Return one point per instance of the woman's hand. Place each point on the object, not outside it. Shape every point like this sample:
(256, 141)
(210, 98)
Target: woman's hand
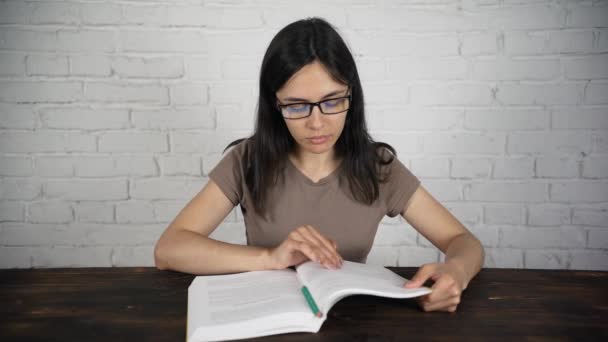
(450, 280)
(302, 244)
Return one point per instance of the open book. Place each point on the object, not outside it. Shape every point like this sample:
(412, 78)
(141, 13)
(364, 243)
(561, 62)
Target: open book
(261, 303)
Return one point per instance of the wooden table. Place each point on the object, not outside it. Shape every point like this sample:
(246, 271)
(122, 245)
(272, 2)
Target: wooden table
(144, 304)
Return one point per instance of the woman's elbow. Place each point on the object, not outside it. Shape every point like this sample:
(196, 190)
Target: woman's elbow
(160, 257)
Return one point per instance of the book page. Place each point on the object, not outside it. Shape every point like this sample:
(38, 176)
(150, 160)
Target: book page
(222, 300)
(328, 286)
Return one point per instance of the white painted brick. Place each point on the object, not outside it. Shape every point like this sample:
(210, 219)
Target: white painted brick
(100, 13)
(135, 212)
(26, 39)
(382, 256)
(547, 42)
(11, 64)
(144, 14)
(155, 67)
(475, 44)
(11, 211)
(589, 260)
(599, 140)
(548, 215)
(133, 256)
(503, 69)
(431, 167)
(85, 118)
(556, 167)
(133, 142)
(19, 188)
(591, 216)
(588, 16)
(94, 212)
(579, 192)
(576, 117)
(85, 40)
(204, 142)
(603, 40)
(165, 188)
(45, 141)
(230, 232)
(163, 41)
(391, 235)
(540, 16)
(63, 256)
(471, 168)
(413, 20)
(504, 214)
(15, 12)
(596, 93)
(16, 166)
(55, 13)
(586, 68)
(545, 94)
(210, 161)
(464, 142)
(124, 92)
(549, 142)
(386, 93)
(79, 234)
(370, 69)
(49, 211)
(443, 190)
(166, 211)
(547, 259)
(112, 166)
(180, 165)
(235, 18)
(506, 192)
(46, 65)
(598, 238)
(382, 43)
(202, 68)
(506, 119)
(247, 42)
(86, 190)
(40, 91)
(189, 93)
(451, 94)
(542, 237)
(513, 168)
(233, 92)
(15, 257)
(17, 116)
(410, 256)
(503, 258)
(235, 117)
(428, 68)
(90, 65)
(183, 118)
(410, 118)
(276, 17)
(241, 68)
(54, 166)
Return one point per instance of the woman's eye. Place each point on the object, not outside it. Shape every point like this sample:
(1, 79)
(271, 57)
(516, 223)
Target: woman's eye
(298, 108)
(332, 103)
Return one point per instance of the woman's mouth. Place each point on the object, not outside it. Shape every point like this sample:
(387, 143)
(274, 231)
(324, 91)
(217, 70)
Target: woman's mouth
(318, 139)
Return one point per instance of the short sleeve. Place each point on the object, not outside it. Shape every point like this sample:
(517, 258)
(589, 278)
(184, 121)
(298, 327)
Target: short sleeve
(399, 188)
(228, 173)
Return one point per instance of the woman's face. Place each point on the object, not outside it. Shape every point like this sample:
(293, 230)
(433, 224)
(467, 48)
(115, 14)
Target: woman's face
(312, 84)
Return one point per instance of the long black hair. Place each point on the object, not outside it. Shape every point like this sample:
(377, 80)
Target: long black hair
(296, 45)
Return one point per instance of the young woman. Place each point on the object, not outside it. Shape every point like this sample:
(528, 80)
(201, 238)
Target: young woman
(311, 182)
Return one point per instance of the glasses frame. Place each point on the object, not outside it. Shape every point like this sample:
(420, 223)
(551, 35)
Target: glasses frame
(315, 104)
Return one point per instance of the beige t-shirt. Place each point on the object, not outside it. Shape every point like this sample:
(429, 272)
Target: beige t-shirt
(326, 205)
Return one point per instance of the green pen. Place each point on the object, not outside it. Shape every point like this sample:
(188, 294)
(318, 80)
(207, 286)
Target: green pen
(311, 302)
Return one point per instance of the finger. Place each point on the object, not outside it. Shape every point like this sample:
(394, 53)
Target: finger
(442, 305)
(308, 250)
(328, 243)
(328, 258)
(424, 272)
(445, 287)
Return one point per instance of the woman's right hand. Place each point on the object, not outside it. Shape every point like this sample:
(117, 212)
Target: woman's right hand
(306, 243)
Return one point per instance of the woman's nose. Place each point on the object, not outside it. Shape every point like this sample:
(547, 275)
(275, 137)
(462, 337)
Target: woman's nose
(316, 117)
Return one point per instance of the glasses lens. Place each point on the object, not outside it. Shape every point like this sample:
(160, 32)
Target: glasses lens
(298, 110)
(334, 105)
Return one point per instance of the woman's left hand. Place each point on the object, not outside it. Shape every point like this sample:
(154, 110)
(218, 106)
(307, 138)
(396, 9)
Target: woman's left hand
(450, 280)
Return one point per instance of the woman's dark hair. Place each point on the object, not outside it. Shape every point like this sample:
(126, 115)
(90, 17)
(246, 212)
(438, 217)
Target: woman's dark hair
(296, 45)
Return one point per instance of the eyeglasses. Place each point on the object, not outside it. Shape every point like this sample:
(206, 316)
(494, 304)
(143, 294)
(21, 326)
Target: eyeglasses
(301, 110)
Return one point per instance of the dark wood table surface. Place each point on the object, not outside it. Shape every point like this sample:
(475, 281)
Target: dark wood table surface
(145, 304)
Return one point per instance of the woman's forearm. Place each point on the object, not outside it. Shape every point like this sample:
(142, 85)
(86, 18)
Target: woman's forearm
(466, 252)
(189, 252)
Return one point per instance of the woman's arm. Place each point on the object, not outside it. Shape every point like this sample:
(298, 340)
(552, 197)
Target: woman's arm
(185, 246)
(441, 228)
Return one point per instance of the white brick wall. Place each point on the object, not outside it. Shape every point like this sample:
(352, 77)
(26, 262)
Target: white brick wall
(112, 113)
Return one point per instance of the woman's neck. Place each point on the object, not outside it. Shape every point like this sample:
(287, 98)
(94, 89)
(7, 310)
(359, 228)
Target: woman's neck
(315, 163)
